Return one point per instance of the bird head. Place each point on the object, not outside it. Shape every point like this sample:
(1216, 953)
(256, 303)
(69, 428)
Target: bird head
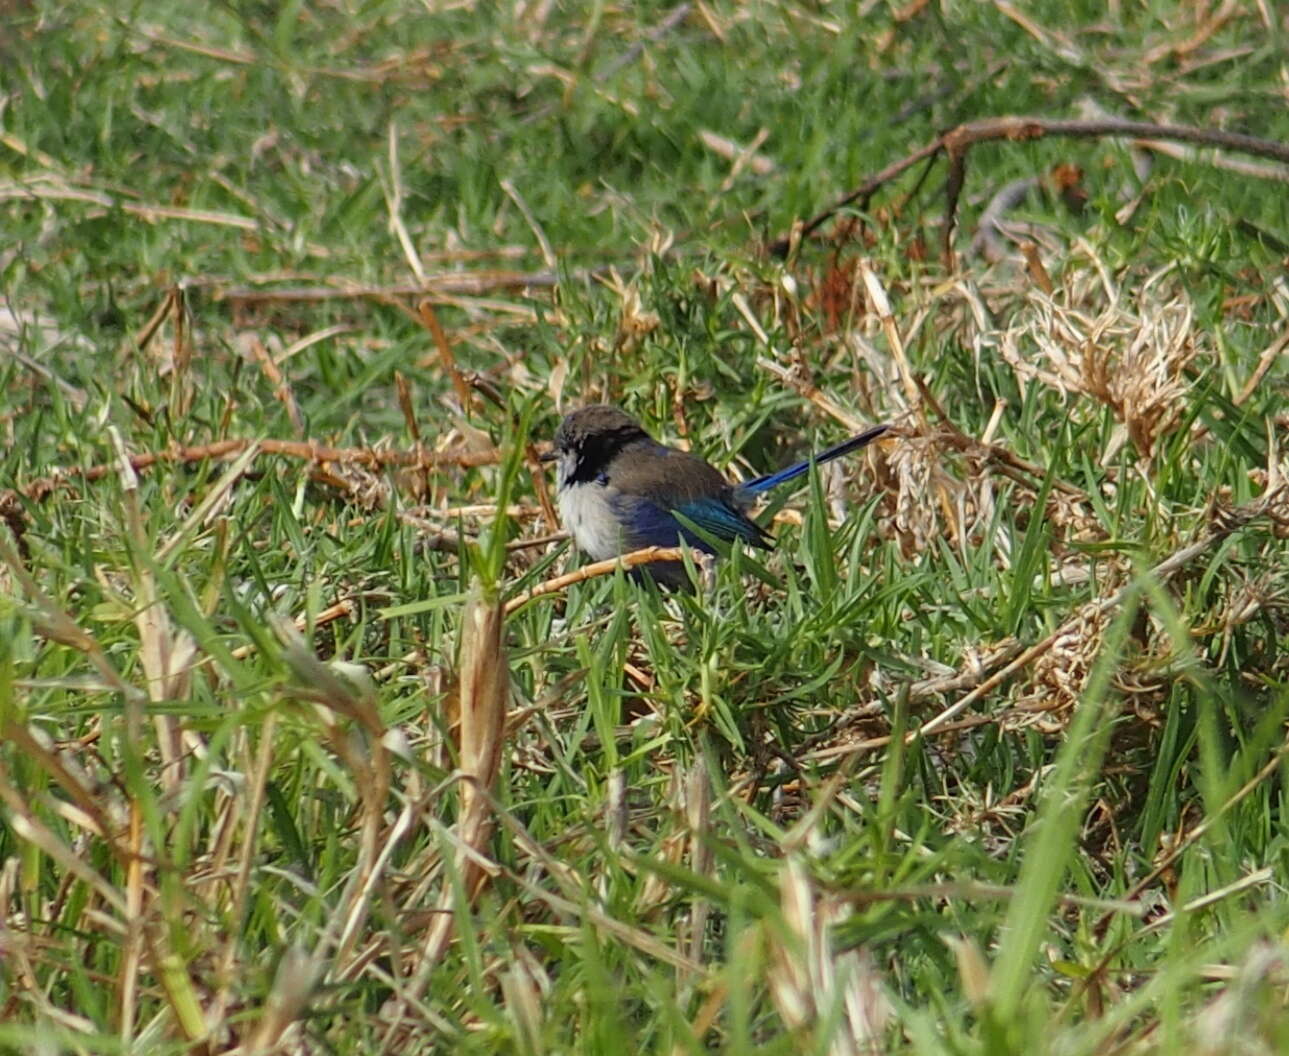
(589, 438)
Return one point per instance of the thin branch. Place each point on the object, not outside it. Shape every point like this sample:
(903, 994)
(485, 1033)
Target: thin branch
(646, 556)
(958, 141)
(301, 449)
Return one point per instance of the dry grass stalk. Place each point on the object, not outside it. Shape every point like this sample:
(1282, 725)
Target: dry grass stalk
(346, 691)
(1165, 862)
(814, 394)
(166, 654)
(155, 641)
(1270, 355)
(484, 692)
(430, 320)
(253, 348)
(576, 905)
(548, 253)
(742, 156)
(441, 286)
(635, 322)
(1240, 1010)
(520, 985)
(53, 622)
(484, 688)
(657, 889)
(143, 921)
(918, 469)
(340, 610)
(252, 804)
(881, 306)
(182, 387)
(698, 809)
(808, 979)
(972, 968)
(292, 987)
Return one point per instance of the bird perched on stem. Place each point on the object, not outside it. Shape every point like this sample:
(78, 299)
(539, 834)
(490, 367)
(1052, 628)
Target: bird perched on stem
(620, 490)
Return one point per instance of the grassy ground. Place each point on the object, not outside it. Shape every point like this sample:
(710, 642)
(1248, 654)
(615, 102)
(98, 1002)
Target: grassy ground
(987, 757)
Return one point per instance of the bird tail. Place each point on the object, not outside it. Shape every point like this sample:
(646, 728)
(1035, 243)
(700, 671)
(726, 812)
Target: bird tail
(773, 480)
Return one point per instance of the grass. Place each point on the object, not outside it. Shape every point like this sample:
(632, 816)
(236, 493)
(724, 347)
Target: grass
(986, 757)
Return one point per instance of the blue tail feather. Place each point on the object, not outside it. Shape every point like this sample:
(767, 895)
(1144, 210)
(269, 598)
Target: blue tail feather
(773, 480)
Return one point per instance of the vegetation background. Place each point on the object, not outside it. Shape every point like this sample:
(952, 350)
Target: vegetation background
(987, 757)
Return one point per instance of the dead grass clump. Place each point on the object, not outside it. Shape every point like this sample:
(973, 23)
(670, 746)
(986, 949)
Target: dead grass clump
(1061, 674)
(1084, 340)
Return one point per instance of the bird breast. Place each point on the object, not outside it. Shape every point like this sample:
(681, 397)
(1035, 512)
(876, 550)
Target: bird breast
(587, 512)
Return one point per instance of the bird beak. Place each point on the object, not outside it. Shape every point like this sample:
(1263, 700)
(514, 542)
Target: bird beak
(549, 456)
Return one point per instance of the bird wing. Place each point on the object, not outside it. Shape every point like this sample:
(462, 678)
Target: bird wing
(677, 482)
(717, 517)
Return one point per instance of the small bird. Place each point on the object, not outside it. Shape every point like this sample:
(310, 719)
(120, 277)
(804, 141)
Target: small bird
(620, 490)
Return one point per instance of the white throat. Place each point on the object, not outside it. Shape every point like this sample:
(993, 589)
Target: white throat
(587, 514)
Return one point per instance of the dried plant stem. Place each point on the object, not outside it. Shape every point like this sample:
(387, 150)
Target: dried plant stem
(1170, 859)
(484, 688)
(240, 889)
(456, 283)
(1269, 355)
(430, 320)
(1180, 847)
(812, 393)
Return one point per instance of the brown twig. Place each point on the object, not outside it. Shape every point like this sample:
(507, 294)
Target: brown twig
(956, 142)
(302, 449)
(430, 320)
(281, 387)
(646, 556)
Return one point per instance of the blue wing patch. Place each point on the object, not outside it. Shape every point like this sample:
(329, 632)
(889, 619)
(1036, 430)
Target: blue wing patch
(651, 525)
(724, 521)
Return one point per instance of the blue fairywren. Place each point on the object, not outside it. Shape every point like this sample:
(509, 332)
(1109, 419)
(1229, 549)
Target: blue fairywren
(620, 490)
